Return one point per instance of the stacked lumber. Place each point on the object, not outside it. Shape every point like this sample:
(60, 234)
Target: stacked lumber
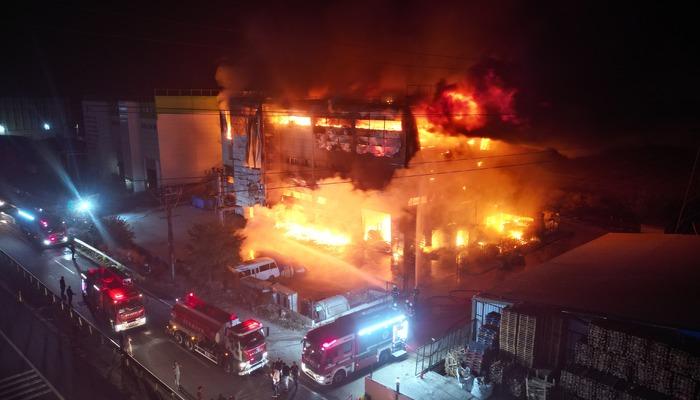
(525, 347)
(509, 328)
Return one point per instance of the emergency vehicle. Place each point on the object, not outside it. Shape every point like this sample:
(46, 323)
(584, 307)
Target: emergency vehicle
(218, 335)
(42, 227)
(111, 292)
(332, 352)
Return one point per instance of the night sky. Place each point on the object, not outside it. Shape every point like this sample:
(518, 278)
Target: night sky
(585, 72)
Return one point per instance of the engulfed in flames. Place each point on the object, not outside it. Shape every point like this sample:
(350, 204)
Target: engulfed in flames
(512, 226)
(293, 221)
(290, 120)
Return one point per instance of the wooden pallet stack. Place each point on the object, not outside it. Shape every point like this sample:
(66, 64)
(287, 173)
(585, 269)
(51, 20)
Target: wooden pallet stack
(525, 347)
(661, 381)
(583, 354)
(602, 361)
(508, 331)
(597, 336)
(637, 347)
(474, 356)
(617, 342)
(487, 335)
(683, 387)
(496, 371)
(644, 373)
(658, 354)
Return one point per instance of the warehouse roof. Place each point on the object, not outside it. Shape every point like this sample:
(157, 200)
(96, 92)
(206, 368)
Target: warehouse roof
(650, 278)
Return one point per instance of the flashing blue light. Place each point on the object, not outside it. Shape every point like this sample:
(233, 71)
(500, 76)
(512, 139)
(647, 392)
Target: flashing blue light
(381, 325)
(25, 215)
(84, 206)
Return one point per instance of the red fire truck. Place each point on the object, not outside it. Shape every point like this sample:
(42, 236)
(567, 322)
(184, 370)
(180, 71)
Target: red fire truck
(111, 292)
(218, 335)
(352, 342)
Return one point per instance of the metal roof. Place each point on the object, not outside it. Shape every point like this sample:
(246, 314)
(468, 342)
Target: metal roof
(648, 278)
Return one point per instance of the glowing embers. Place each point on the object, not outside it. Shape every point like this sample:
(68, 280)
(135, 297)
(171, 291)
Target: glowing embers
(290, 120)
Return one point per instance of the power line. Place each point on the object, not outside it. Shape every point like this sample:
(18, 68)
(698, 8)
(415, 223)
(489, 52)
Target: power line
(393, 178)
(286, 112)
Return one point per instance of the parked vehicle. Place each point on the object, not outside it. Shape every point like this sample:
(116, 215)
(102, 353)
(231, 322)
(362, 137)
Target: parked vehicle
(332, 352)
(262, 268)
(218, 335)
(43, 228)
(111, 292)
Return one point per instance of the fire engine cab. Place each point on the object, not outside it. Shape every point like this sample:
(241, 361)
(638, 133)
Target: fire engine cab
(218, 335)
(111, 292)
(331, 352)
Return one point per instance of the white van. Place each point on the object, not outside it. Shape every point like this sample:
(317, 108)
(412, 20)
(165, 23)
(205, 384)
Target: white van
(262, 268)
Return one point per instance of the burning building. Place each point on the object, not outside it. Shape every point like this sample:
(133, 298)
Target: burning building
(382, 185)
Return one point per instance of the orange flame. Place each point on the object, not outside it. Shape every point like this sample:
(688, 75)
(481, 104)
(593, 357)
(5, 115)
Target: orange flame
(290, 120)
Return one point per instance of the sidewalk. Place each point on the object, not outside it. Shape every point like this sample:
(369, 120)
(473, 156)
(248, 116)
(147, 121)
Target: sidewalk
(431, 386)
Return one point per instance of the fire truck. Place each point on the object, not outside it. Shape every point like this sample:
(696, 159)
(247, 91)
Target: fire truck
(44, 228)
(332, 352)
(218, 335)
(111, 292)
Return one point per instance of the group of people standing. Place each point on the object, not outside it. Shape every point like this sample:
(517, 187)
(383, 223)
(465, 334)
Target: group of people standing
(281, 374)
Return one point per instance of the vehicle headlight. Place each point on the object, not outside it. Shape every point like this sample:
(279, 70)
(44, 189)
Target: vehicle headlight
(242, 365)
(321, 379)
(46, 242)
(264, 355)
(65, 239)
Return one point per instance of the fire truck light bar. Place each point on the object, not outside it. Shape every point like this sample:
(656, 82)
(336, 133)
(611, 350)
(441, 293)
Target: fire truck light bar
(381, 325)
(25, 215)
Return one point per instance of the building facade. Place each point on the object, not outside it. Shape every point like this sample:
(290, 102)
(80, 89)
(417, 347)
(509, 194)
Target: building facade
(35, 118)
(173, 139)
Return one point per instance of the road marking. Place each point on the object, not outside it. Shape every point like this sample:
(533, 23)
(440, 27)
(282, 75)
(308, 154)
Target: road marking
(53, 389)
(64, 267)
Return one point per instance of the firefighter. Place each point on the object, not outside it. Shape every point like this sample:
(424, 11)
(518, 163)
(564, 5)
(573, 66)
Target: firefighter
(69, 293)
(176, 371)
(62, 284)
(295, 374)
(395, 295)
(71, 246)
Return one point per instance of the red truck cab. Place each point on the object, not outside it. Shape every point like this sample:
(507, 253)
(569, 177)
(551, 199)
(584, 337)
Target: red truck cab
(332, 352)
(218, 336)
(110, 292)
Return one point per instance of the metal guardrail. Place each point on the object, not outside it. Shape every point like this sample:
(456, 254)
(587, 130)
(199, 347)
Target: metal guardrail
(158, 386)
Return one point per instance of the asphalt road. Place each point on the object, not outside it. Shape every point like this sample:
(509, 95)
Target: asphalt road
(151, 346)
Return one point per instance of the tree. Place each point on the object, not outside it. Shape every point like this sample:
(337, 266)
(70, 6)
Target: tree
(212, 249)
(111, 231)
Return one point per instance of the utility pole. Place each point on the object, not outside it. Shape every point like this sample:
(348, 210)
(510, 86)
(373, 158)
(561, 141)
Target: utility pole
(169, 198)
(687, 191)
(219, 193)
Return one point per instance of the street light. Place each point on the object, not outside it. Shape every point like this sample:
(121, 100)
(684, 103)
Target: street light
(2, 129)
(47, 126)
(83, 206)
